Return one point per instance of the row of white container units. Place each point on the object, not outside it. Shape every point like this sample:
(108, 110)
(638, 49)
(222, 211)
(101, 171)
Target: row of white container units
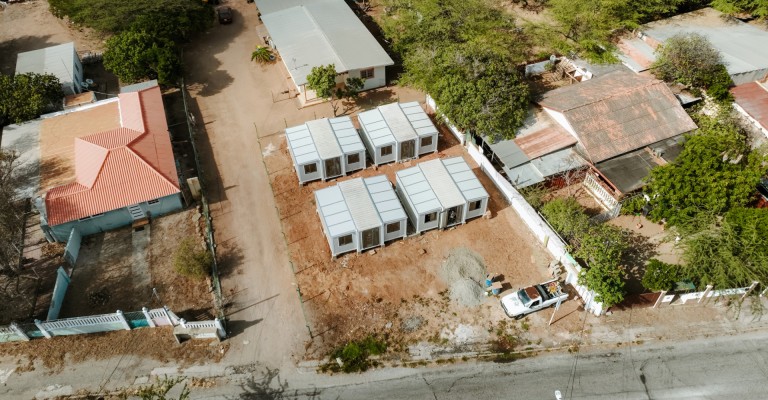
(364, 213)
(330, 148)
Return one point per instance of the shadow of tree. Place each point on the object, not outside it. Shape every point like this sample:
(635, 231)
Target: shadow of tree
(640, 249)
(269, 386)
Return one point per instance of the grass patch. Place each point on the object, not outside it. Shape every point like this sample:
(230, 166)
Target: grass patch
(355, 355)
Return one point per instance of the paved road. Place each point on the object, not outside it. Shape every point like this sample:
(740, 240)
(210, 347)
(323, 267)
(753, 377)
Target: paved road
(729, 367)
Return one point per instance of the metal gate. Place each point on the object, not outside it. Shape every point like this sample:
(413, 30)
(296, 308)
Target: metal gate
(371, 238)
(408, 149)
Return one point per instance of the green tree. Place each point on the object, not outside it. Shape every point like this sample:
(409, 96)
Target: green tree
(715, 172)
(732, 252)
(262, 55)
(136, 55)
(691, 59)
(659, 276)
(757, 8)
(11, 213)
(463, 53)
(566, 217)
(25, 96)
(189, 260)
(322, 80)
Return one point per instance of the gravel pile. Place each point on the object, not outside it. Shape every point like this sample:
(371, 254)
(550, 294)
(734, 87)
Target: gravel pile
(464, 272)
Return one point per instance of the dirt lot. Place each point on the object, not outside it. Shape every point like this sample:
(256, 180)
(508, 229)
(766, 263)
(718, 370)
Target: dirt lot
(399, 290)
(113, 272)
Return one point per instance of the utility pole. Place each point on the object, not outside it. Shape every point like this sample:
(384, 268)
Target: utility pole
(555, 311)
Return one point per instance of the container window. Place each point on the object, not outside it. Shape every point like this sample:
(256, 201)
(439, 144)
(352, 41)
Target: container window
(345, 240)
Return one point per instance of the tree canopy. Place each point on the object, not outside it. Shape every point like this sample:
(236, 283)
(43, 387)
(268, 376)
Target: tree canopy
(757, 8)
(715, 172)
(25, 96)
(463, 53)
(11, 220)
(136, 55)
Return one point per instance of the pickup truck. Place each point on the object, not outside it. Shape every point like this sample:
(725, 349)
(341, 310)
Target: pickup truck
(533, 298)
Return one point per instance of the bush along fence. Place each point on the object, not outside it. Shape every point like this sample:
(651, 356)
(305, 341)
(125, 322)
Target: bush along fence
(209, 238)
(538, 226)
(118, 320)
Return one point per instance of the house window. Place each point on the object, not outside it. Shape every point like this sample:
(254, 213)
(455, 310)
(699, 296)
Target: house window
(310, 168)
(386, 150)
(345, 240)
(155, 201)
(426, 141)
(393, 227)
(475, 205)
(366, 73)
(353, 158)
(430, 217)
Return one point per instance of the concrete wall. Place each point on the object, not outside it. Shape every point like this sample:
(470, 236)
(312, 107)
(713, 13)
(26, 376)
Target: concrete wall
(115, 219)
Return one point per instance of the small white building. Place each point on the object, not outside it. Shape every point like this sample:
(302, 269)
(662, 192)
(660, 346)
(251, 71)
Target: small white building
(441, 193)
(325, 149)
(360, 214)
(397, 132)
(60, 61)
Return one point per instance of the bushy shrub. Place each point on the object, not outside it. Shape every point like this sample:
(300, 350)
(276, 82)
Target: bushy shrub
(660, 276)
(189, 260)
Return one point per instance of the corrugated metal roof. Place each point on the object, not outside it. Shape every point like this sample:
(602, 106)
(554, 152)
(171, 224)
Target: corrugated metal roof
(636, 53)
(509, 153)
(465, 179)
(741, 45)
(753, 98)
(347, 135)
(137, 87)
(58, 61)
(269, 6)
(376, 128)
(385, 199)
(545, 141)
(325, 139)
(558, 162)
(417, 188)
(364, 212)
(524, 175)
(320, 32)
(119, 167)
(627, 172)
(442, 183)
(334, 211)
(619, 112)
(397, 122)
(420, 121)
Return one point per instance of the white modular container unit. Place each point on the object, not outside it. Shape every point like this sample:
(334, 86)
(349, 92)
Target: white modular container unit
(397, 132)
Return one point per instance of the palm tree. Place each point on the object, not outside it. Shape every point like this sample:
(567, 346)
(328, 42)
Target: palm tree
(262, 54)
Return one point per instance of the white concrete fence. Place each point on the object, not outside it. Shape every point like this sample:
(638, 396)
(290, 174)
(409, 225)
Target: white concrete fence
(532, 220)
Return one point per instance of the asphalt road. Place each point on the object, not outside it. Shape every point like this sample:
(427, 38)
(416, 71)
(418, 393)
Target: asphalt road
(715, 368)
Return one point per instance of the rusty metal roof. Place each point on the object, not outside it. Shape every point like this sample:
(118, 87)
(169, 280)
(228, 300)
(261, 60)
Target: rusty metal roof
(753, 98)
(545, 141)
(618, 113)
(129, 164)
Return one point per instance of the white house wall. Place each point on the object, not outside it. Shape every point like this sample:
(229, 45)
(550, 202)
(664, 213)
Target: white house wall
(379, 78)
(560, 119)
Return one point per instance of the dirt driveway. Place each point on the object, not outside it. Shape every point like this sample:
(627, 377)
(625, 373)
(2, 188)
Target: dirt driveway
(235, 101)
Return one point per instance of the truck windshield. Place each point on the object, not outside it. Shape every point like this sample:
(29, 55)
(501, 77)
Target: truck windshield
(523, 296)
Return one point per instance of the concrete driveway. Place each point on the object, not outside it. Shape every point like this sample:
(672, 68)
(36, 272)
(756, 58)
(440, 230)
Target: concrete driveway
(241, 102)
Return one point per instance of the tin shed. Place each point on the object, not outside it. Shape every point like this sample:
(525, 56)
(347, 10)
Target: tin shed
(441, 193)
(397, 132)
(325, 149)
(360, 214)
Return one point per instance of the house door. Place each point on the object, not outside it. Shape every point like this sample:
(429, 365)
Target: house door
(332, 167)
(407, 150)
(371, 238)
(454, 216)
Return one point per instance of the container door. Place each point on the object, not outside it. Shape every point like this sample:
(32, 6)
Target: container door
(371, 238)
(408, 149)
(332, 167)
(454, 216)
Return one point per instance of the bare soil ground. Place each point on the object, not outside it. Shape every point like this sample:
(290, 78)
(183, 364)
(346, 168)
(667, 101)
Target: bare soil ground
(398, 291)
(105, 277)
(30, 26)
(155, 343)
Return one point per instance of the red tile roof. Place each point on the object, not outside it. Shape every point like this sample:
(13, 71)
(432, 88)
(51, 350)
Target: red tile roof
(619, 112)
(127, 165)
(753, 98)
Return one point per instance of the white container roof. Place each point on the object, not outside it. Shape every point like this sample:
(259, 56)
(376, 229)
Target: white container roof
(397, 122)
(420, 121)
(325, 139)
(347, 135)
(417, 188)
(465, 179)
(442, 183)
(56, 60)
(310, 33)
(301, 144)
(385, 199)
(376, 128)
(360, 204)
(334, 211)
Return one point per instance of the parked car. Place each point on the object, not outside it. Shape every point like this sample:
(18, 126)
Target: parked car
(225, 15)
(533, 298)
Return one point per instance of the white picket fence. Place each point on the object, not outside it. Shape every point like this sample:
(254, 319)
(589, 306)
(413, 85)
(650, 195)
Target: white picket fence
(532, 220)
